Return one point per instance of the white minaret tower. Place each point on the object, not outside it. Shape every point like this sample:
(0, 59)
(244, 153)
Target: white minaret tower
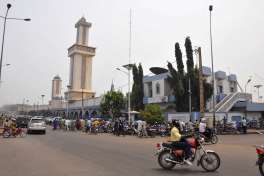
(81, 64)
(56, 88)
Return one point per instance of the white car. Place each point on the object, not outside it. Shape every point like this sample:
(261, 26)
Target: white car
(37, 124)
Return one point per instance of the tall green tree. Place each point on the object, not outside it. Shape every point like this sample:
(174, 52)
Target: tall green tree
(189, 55)
(141, 86)
(137, 94)
(112, 103)
(177, 86)
(178, 56)
(135, 88)
(179, 80)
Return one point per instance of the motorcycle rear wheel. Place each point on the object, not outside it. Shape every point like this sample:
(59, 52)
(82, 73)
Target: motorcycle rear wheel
(163, 163)
(261, 168)
(207, 161)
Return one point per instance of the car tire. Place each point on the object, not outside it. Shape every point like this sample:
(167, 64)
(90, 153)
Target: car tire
(44, 132)
(28, 131)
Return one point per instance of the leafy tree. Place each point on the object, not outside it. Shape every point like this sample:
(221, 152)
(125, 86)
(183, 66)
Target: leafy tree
(135, 88)
(152, 113)
(177, 86)
(179, 81)
(137, 94)
(112, 103)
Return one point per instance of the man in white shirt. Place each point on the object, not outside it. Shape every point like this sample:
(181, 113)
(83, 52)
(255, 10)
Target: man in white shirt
(244, 125)
(202, 126)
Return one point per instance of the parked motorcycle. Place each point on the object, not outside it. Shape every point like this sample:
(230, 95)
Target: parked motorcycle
(7, 133)
(210, 136)
(163, 131)
(168, 156)
(260, 161)
(94, 130)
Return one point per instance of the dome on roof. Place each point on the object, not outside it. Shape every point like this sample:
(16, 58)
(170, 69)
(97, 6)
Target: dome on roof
(57, 77)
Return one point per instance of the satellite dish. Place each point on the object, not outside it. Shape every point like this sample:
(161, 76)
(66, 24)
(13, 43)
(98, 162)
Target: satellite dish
(158, 70)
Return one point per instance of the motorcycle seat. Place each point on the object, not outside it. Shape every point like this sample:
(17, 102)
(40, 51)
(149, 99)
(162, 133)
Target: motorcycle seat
(167, 145)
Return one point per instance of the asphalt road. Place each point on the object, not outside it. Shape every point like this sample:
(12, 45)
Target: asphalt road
(77, 154)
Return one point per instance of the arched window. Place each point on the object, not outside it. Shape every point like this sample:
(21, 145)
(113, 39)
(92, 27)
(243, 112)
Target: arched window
(157, 88)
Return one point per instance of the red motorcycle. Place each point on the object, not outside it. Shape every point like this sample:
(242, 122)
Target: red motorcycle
(260, 162)
(168, 156)
(8, 132)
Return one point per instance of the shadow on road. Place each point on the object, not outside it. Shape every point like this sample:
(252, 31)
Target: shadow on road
(183, 171)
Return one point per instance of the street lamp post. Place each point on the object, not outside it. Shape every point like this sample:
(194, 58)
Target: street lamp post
(212, 62)
(82, 103)
(3, 37)
(68, 98)
(128, 67)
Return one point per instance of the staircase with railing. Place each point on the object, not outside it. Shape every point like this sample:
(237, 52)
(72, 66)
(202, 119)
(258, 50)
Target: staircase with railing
(228, 102)
(226, 98)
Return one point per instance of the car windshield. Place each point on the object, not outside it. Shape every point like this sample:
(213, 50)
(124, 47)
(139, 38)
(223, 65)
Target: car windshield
(36, 120)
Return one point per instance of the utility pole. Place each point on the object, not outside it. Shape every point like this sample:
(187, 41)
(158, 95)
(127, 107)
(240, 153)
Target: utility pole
(212, 62)
(3, 37)
(201, 88)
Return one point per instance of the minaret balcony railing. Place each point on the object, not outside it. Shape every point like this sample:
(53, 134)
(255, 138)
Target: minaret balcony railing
(81, 49)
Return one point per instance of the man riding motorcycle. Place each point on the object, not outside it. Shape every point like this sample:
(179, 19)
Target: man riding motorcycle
(179, 142)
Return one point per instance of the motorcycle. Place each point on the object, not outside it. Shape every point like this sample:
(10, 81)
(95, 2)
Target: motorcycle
(163, 132)
(168, 156)
(210, 136)
(7, 133)
(94, 130)
(260, 162)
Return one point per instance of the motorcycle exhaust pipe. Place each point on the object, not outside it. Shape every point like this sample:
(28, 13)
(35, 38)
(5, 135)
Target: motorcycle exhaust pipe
(170, 160)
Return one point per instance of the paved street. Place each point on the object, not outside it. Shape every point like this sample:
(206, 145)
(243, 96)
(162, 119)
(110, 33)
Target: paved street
(76, 154)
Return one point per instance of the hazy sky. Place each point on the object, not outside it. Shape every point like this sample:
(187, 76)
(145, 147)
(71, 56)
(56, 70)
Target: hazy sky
(37, 50)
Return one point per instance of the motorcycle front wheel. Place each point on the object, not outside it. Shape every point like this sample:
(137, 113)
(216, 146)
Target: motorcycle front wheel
(261, 168)
(22, 134)
(6, 134)
(167, 165)
(214, 139)
(210, 161)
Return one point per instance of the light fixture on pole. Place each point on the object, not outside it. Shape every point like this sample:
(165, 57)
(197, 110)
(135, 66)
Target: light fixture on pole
(42, 99)
(3, 37)
(6, 65)
(212, 62)
(248, 81)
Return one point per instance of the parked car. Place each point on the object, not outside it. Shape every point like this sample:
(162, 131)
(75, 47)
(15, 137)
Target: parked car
(37, 124)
